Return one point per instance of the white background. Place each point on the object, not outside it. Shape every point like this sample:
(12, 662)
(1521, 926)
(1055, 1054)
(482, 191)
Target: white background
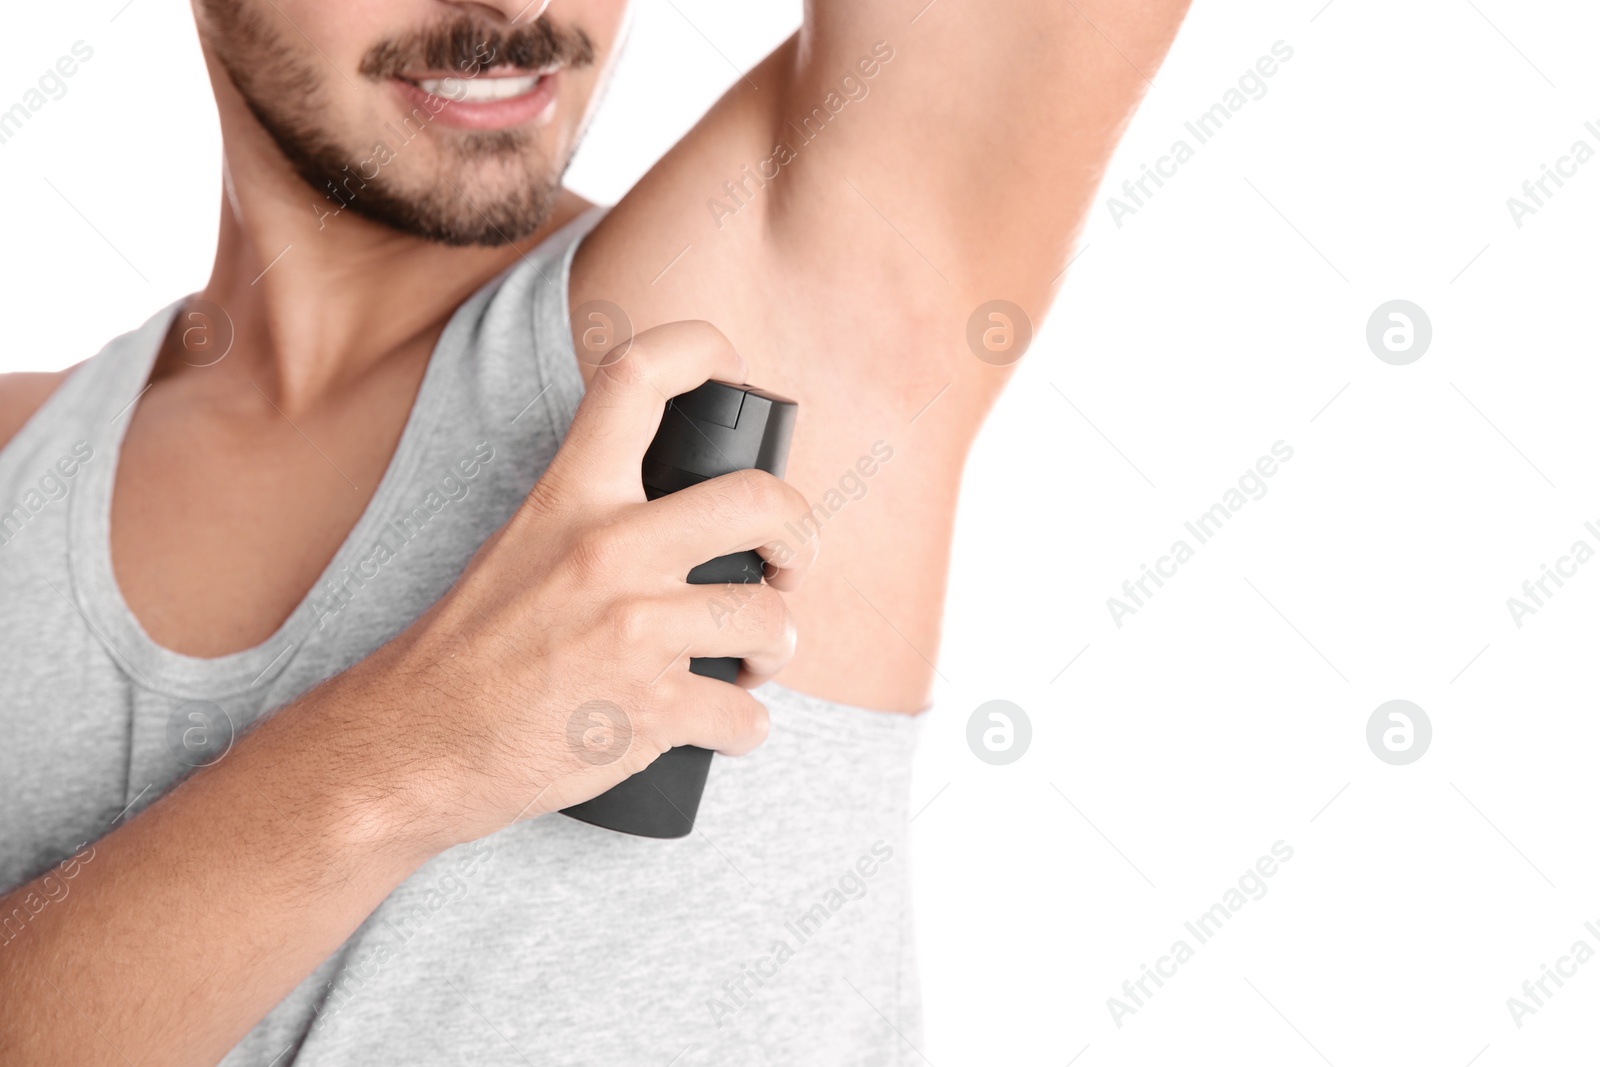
(1229, 713)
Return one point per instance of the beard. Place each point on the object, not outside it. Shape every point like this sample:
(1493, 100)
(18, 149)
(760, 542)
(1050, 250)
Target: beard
(467, 187)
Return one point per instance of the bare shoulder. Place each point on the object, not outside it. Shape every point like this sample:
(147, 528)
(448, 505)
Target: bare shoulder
(21, 395)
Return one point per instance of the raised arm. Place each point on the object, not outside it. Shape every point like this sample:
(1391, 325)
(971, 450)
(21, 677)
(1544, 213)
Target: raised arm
(841, 214)
(981, 141)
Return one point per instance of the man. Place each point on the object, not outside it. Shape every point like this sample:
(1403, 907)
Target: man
(264, 508)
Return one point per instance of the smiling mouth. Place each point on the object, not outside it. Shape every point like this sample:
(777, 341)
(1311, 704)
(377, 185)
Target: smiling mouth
(485, 88)
(495, 99)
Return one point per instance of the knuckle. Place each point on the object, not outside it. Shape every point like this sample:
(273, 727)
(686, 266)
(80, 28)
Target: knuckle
(631, 622)
(664, 697)
(704, 332)
(598, 554)
(630, 372)
(760, 492)
(693, 331)
(541, 501)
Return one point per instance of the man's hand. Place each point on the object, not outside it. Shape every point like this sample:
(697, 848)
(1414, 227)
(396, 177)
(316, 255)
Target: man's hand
(559, 663)
(480, 713)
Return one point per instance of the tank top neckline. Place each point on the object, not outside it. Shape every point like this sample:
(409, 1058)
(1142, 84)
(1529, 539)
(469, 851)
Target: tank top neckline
(99, 597)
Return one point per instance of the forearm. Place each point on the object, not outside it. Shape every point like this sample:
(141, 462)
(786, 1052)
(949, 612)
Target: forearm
(192, 920)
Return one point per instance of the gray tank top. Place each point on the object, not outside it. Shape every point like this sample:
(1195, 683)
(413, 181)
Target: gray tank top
(778, 932)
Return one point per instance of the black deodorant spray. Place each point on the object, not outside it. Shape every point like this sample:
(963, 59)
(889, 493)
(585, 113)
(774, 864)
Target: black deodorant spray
(715, 429)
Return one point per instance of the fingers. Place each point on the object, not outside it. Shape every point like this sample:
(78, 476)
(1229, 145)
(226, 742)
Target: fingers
(735, 513)
(747, 622)
(750, 622)
(748, 679)
(718, 716)
(622, 408)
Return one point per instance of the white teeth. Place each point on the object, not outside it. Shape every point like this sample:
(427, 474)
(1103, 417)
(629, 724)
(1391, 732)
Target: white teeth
(479, 90)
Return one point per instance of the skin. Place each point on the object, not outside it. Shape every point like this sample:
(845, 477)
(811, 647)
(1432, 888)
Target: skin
(982, 139)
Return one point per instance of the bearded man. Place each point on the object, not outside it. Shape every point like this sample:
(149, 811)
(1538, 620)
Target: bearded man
(314, 581)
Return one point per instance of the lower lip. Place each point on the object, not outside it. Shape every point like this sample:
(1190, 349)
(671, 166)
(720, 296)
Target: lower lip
(535, 104)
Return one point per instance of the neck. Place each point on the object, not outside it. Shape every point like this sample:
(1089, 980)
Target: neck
(318, 299)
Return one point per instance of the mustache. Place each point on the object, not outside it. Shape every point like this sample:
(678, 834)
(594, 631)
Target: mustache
(468, 46)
